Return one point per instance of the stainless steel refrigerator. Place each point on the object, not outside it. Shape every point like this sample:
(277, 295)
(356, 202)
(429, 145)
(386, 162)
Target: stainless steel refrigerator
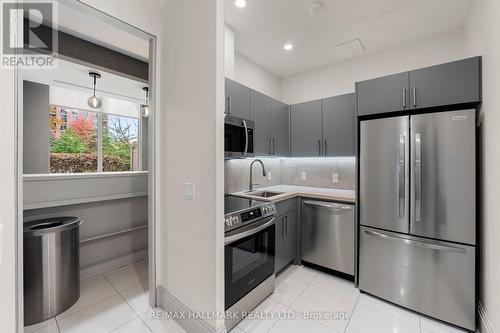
(417, 183)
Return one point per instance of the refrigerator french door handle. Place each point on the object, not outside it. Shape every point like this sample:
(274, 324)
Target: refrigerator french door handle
(418, 177)
(401, 175)
(431, 246)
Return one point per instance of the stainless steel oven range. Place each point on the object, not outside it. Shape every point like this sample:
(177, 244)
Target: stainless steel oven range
(249, 247)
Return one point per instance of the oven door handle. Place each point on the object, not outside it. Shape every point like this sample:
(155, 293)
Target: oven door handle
(241, 235)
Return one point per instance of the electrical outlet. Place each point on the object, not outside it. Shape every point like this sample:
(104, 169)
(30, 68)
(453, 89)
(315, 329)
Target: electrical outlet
(269, 176)
(189, 191)
(335, 178)
(303, 175)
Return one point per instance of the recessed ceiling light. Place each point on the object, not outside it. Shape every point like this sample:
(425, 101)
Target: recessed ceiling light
(287, 47)
(240, 3)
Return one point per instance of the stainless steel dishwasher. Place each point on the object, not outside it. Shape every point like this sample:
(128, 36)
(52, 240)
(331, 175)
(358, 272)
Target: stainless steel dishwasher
(328, 235)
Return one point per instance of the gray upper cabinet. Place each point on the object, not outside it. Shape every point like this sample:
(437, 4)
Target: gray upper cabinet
(237, 99)
(272, 125)
(385, 94)
(339, 117)
(456, 82)
(306, 129)
(280, 128)
(260, 113)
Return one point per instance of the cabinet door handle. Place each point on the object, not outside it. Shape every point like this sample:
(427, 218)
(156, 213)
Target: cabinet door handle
(415, 96)
(404, 98)
(274, 147)
(319, 147)
(270, 146)
(286, 225)
(325, 152)
(229, 106)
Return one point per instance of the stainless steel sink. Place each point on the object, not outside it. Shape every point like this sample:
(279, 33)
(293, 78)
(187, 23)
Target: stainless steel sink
(263, 194)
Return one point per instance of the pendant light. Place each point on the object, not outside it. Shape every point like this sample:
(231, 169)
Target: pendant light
(94, 102)
(145, 107)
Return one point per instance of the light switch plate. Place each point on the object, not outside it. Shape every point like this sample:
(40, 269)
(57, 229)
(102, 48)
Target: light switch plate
(303, 175)
(189, 191)
(335, 178)
(269, 175)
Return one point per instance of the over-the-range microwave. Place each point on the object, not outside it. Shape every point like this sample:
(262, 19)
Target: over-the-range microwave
(238, 137)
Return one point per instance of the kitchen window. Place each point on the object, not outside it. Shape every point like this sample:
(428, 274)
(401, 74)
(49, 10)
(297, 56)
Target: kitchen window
(83, 141)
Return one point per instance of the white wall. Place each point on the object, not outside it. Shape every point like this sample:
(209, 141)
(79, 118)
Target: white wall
(483, 38)
(191, 234)
(339, 78)
(245, 71)
(252, 75)
(8, 209)
(228, 52)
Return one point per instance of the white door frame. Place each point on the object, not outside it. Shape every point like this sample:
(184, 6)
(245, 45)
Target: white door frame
(153, 160)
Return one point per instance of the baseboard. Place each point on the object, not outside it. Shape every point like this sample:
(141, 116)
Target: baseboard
(485, 325)
(170, 303)
(109, 265)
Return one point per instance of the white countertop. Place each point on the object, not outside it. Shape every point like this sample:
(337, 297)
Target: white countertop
(291, 191)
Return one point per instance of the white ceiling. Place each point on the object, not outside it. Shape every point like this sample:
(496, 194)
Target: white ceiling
(76, 77)
(264, 26)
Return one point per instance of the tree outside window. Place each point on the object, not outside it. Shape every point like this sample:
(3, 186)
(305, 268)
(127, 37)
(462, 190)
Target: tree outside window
(120, 140)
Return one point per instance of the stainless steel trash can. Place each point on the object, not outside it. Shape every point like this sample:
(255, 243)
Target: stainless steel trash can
(51, 267)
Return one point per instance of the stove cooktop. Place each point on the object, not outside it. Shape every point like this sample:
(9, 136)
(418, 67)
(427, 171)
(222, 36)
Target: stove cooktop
(234, 204)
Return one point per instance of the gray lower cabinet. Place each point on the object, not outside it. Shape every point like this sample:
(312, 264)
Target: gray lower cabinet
(280, 130)
(237, 99)
(306, 129)
(339, 118)
(384, 94)
(286, 240)
(456, 82)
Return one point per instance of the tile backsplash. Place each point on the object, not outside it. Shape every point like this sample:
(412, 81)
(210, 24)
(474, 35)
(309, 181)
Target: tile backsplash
(319, 172)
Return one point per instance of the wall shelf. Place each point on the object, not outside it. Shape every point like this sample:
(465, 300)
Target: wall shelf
(43, 191)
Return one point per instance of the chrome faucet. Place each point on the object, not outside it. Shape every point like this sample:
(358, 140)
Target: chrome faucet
(251, 184)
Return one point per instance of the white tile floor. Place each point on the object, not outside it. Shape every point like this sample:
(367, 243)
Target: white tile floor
(118, 302)
(114, 302)
(300, 289)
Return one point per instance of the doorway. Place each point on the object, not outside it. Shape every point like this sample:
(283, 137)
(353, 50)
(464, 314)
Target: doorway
(94, 161)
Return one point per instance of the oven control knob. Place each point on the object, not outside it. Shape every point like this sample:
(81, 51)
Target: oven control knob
(228, 222)
(234, 220)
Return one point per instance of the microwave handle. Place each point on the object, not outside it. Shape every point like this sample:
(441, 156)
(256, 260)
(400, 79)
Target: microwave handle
(246, 138)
